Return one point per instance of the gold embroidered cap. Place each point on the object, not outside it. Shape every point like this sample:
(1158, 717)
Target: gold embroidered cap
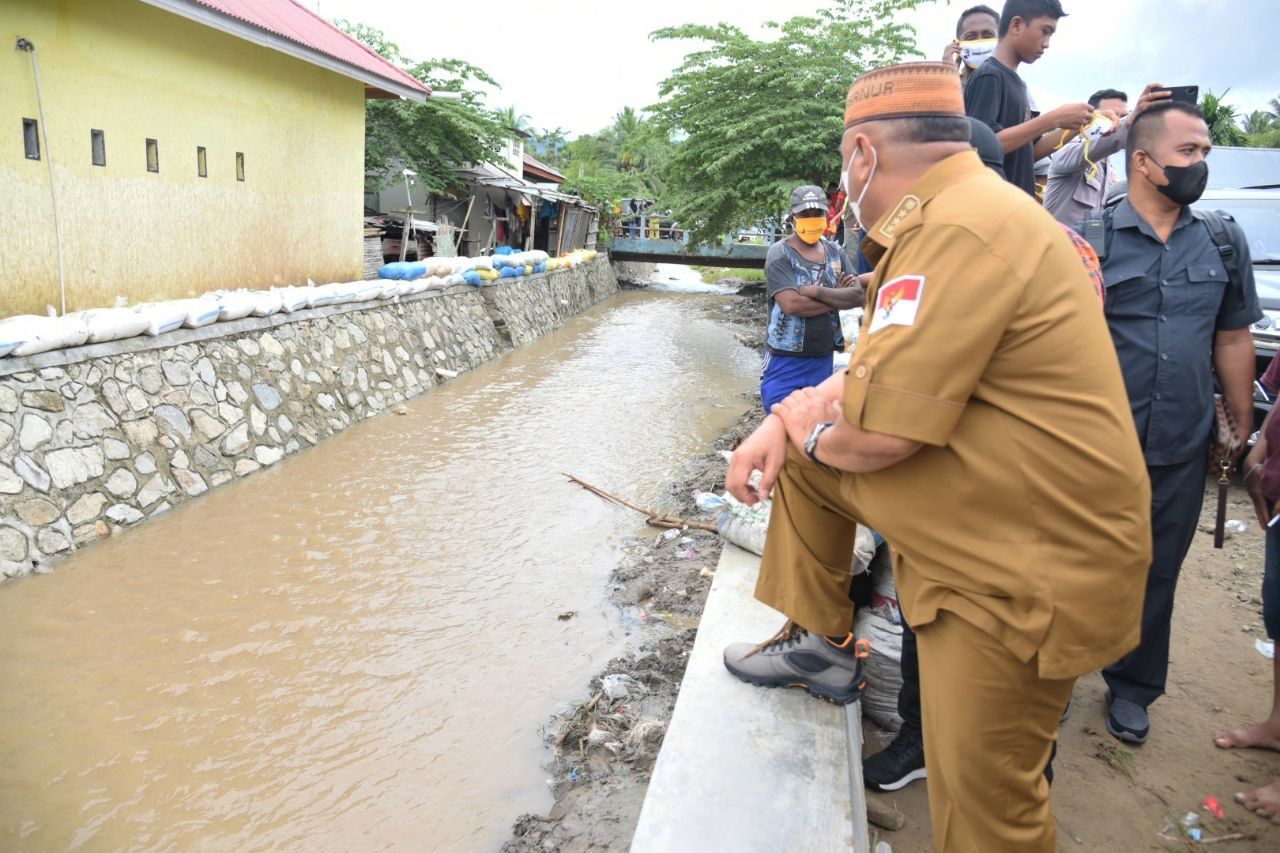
(904, 91)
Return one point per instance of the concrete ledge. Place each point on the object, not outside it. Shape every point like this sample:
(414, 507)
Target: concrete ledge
(743, 768)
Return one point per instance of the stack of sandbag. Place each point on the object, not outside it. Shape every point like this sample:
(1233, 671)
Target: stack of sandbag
(881, 625)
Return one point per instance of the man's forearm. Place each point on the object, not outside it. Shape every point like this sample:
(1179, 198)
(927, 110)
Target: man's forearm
(1013, 138)
(1052, 140)
(1233, 359)
(842, 298)
(853, 449)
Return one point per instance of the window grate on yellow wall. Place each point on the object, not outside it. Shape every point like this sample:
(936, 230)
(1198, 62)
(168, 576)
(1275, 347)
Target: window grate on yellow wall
(202, 163)
(31, 138)
(239, 165)
(153, 156)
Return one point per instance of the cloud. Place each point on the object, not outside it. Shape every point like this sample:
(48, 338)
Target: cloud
(575, 63)
(1125, 45)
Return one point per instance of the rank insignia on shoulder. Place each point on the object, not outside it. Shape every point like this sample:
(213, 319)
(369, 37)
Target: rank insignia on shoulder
(897, 302)
(905, 207)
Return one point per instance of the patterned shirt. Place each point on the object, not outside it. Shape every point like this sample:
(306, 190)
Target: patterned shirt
(786, 270)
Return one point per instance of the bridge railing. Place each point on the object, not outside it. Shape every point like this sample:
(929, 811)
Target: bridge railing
(642, 227)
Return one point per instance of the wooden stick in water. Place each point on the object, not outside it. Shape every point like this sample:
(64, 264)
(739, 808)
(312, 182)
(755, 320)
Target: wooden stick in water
(655, 519)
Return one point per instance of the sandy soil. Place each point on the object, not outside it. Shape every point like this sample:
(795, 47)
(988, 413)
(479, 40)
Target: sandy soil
(1106, 796)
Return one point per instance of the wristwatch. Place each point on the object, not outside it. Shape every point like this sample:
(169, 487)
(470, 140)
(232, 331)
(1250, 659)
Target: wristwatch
(811, 443)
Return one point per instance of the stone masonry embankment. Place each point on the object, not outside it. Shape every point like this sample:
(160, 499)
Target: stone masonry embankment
(98, 438)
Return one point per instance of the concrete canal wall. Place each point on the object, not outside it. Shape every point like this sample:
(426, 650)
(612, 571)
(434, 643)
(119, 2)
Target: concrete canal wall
(98, 438)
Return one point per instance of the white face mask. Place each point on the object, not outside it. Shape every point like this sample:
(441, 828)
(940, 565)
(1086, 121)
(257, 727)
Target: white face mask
(974, 53)
(1097, 127)
(856, 206)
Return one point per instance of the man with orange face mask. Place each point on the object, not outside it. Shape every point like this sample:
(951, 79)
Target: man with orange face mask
(808, 280)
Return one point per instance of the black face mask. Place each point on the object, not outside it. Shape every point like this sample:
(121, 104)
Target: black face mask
(1186, 183)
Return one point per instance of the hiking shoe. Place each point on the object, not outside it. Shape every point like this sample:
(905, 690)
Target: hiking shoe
(1127, 721)
(897, 765)
(796, 658)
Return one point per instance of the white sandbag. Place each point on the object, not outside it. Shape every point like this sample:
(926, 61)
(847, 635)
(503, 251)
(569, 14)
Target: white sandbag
(199, 312)
(29, 334)
(744, 526)
(12, 335)
(114, 324)
(318, 297)
(268, 302)
(338, 293)
(163, 317)
(883, 667)
(293, 298)
(366, 291)
(233, 304)
(437, 282)
(485, 263)
(456, 278)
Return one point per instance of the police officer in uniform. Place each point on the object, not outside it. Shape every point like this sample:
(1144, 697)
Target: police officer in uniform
(1176, 320)
(981, 428)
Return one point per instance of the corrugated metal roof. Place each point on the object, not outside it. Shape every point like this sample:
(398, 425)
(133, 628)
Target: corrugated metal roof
(1239, 168)
(542, 170)
(299, 24)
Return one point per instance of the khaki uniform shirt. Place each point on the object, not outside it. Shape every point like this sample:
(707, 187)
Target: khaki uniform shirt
(1027, 512)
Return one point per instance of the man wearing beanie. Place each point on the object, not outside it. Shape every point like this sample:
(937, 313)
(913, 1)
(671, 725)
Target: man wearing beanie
(981, 427)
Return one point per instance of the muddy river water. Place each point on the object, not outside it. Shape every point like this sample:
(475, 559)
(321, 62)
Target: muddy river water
(355, 649)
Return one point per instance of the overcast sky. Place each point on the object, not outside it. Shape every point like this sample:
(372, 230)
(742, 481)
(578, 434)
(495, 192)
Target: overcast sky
(573, 64)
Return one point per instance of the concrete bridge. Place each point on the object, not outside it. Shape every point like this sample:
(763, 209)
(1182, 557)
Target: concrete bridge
(730, 253)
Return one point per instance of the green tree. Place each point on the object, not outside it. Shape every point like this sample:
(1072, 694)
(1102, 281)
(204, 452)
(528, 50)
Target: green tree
(431, 138)
(758, 117)
(549, 145)
(1259, 121)
(1223, 119)
(516, 121)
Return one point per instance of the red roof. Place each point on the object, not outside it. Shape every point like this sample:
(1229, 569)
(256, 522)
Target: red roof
(289, 19)
(537, 169)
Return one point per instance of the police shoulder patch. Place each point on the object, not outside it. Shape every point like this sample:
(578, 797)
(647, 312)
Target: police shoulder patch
(897, 302)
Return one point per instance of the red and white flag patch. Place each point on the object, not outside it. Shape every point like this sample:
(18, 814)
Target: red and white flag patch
(897, 302)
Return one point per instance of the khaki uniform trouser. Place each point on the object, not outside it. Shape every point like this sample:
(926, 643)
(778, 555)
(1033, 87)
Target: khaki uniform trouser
(990, 721)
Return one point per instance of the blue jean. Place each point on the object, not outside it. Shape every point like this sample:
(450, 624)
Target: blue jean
(1271, 584)
(784, 373)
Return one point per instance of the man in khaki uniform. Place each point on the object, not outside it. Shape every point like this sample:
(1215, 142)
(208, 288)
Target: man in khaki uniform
(983, 428)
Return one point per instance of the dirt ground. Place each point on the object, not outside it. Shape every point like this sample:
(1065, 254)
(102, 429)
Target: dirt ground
(1106, 796)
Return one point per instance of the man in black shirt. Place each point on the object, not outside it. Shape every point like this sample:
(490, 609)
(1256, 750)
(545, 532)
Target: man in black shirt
(996, 95)
(1178, 320)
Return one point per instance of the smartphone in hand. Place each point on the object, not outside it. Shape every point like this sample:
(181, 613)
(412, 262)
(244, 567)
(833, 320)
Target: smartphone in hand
(1186, 94)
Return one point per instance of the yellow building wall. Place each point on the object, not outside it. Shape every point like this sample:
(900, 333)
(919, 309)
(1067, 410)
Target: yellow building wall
(137, 72)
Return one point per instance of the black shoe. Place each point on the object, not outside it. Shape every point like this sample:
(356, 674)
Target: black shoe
(897, 765)
(1126, 720)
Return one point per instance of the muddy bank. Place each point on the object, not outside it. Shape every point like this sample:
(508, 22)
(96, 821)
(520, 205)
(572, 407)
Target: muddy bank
(605, 745)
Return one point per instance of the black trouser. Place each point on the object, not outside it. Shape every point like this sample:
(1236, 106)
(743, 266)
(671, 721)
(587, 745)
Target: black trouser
(909, 695)
(1177, 492)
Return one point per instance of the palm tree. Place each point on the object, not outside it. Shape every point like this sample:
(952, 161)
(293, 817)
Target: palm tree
(509, 118)
(1259, 121)
(626, 126)
(1223, 120)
